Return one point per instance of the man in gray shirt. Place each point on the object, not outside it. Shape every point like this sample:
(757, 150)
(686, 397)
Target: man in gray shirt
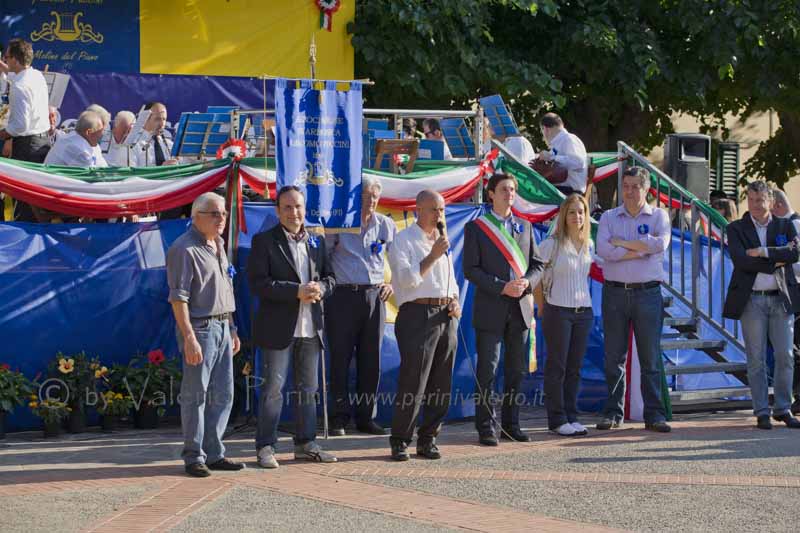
(356, 312)
(201, 293)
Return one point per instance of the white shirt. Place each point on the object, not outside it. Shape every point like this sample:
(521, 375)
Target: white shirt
(570, 286)
(72, 150)
(520, 147)
(570, 152)
(305, 322)
(28, 104)
(764, 282)
(410, 247)
(117, 155)
(56, 135)
(145, 151)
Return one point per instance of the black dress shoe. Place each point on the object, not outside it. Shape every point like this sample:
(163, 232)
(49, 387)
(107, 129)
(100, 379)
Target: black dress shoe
(225, 464)
(197, 470)
(488, 439)
(789, 420)
(399, 451)
(609, 423)
(763, 422)
(336, 429)
(514, 435)
(371, 428)
(428, 450)
(658, 427)
(795, 408)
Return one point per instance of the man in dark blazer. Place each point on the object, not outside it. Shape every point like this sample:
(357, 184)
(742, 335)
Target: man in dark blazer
(763, 294)
(289, 272)
(504, 274)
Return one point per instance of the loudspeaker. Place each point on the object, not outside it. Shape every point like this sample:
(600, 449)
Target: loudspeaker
(686, 161)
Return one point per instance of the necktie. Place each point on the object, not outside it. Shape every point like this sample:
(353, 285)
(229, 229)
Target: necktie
(159, 152)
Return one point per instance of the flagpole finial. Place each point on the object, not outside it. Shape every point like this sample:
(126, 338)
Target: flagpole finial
(312, 57)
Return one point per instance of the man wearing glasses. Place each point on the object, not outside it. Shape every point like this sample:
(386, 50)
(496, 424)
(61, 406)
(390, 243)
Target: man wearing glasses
(433, 132)
(201, 293)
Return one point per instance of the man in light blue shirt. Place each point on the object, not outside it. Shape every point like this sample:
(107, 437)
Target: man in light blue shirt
(632, 239)
(356, 312)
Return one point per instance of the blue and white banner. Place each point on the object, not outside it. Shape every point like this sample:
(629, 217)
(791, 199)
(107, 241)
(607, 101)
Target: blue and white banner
(318, 148)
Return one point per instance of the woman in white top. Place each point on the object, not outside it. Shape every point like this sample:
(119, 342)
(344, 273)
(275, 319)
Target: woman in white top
(567, 316)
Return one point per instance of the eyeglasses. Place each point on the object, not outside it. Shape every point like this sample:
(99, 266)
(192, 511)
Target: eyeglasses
(215, 214)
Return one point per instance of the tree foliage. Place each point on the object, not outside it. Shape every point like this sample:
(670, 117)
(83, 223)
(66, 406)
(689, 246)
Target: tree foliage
(614, 69)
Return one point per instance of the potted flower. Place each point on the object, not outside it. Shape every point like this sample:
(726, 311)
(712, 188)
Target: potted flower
(52, 413)
(77, 373)
(14, 388)
(113, 406)
(151, 381)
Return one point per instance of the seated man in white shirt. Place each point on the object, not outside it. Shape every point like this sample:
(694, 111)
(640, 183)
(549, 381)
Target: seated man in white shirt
(433, 132)
(77, 149)
(118, 154)
(567, 150)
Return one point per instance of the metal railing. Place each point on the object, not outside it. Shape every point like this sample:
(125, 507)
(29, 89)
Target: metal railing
(695, 225)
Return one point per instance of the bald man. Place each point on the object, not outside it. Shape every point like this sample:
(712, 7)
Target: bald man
(426, 291)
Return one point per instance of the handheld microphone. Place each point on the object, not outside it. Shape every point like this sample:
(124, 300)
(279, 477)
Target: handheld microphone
(440, 227)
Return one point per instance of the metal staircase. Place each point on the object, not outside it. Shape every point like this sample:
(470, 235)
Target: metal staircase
(693, 304)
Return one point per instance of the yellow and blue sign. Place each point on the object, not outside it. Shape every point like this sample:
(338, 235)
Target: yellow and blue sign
(197, 37)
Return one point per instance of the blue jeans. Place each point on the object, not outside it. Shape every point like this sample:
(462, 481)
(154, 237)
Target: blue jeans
(642, 309)
(303, 354)
(207, 393)
(764, 316)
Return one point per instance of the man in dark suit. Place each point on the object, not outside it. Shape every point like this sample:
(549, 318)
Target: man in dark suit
(763, 294)
(289, 272)
(501, 260)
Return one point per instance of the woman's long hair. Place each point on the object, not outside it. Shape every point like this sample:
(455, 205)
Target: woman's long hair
(560, 233)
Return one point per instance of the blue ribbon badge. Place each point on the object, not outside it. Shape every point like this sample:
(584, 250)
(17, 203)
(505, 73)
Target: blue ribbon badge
(231, 271)
(377, 247)
(781, 240)
(643, 229)
(517, 227)
(312, 241)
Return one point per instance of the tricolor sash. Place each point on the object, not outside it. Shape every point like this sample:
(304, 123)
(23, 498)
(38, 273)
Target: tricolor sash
(494, 228)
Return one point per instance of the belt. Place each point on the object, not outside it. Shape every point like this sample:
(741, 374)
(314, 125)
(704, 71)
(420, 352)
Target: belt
(432, 301)
(355, 287)
(44, 134)
(223, 316)
(633, 286)
(575, 310)
(767, 293)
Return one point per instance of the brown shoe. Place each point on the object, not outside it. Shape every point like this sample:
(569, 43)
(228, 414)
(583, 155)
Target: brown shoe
(198, 470)
(225, 464)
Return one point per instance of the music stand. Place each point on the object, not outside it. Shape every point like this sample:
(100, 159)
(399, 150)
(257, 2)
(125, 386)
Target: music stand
(458, 137)
(56, 87)
(199, 132)
(499, 116)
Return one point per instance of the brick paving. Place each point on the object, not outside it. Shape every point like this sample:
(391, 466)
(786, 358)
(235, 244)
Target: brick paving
(178, 496)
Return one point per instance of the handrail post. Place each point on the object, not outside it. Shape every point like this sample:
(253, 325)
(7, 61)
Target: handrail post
(695, 256)
(623, 165)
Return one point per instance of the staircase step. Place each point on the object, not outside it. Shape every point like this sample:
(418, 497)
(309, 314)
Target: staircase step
(667, 301)
(708, 394)
(693, 344)
(674, 335)
(673, 370)
(680, 322)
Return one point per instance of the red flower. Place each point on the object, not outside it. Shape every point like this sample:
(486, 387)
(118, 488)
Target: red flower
(156, 357)
(5, 366)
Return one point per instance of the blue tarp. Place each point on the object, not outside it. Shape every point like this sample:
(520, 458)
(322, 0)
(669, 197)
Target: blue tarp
(101, 288)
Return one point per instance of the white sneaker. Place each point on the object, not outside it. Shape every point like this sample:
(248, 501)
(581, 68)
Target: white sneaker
(311, 451)
(266, 457)
(565, 430)
(579, 428)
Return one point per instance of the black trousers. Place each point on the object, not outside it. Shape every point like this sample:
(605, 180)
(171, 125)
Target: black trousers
(354, 320)
(566, 334)
(31, 148)
(426, 336)
(796, 381)
(515, 367)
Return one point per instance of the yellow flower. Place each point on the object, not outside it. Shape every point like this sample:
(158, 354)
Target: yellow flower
(33, 405)
(34, 397)
(101, 372)
(110, 401)
(65, 366)
(94, 366)
(118, 396)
